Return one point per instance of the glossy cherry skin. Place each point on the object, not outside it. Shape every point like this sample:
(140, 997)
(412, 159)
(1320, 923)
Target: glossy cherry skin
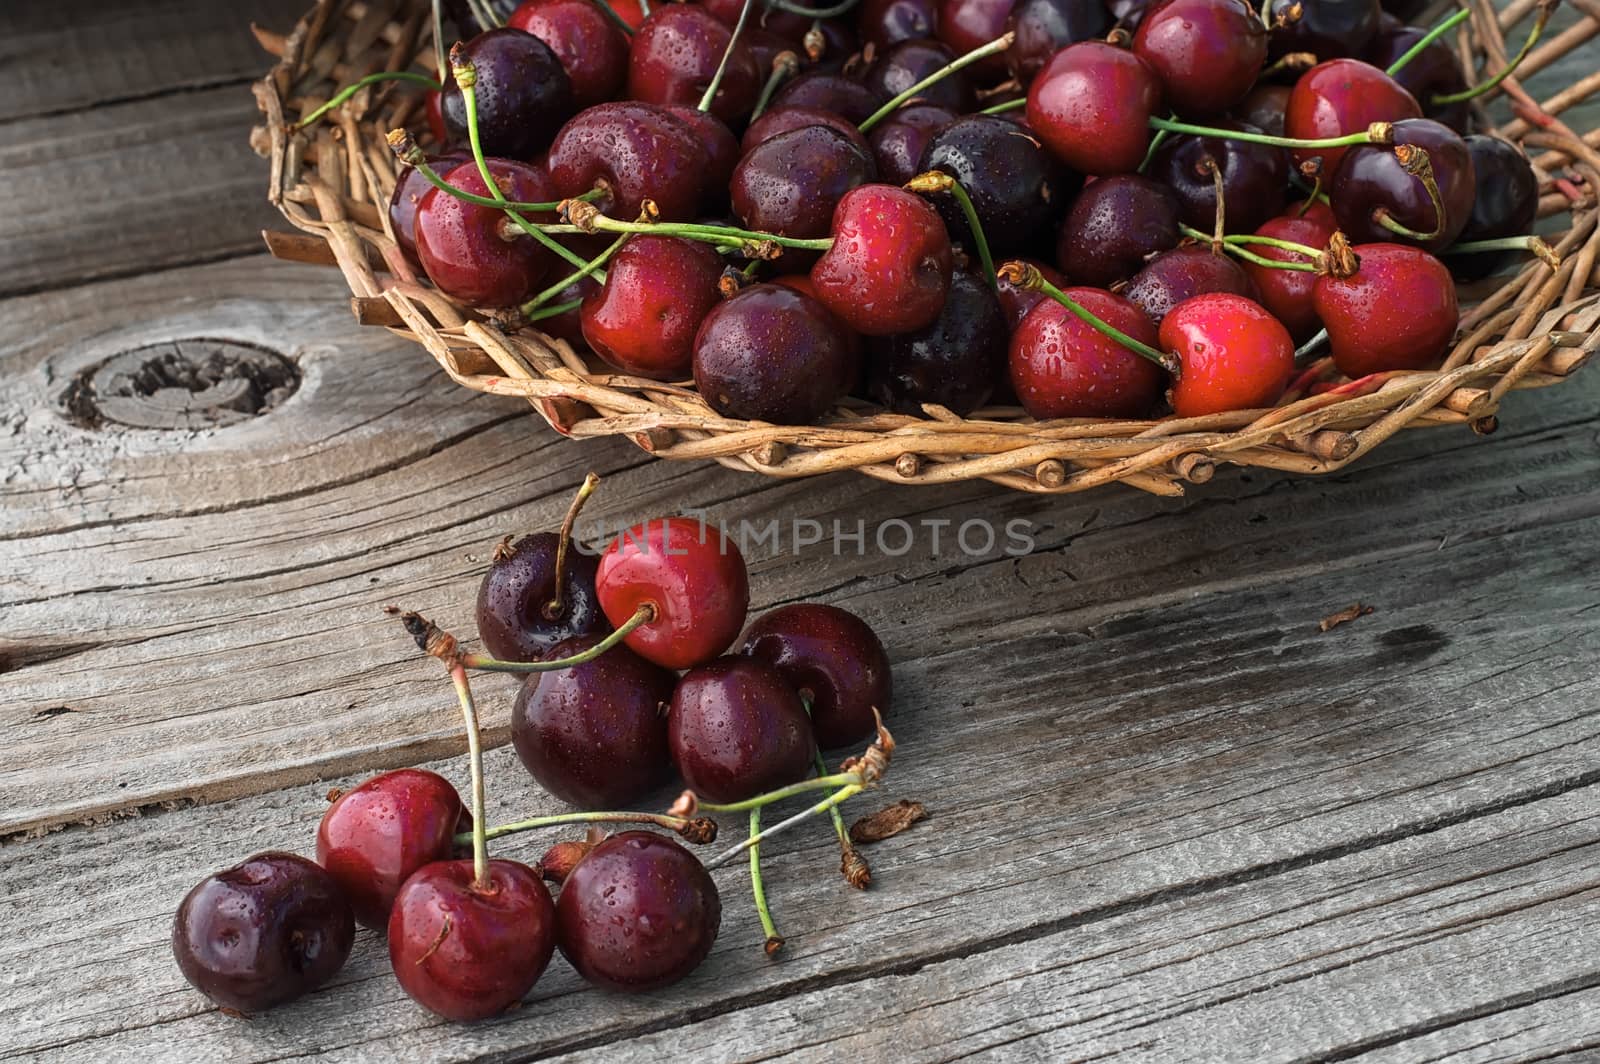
(471, 252)
(738, 729)
(889, 267)
(788, 119)
(899, 141)
(595, 734)
(885, 23)
(640, 151)
(1063, 367)
(953, 362)
(638, 912)
(1017, 188)
(1183, 273)
(1435, 71)
(691, 575)
(790, 185)
(465, 951)
(1234, 355)
(515, 620)
(268, 930)
(762, 16)
(1397, 311)
(833, 659)
(772, 353)
(1339, 97)
(406, 198)
(965, 25)
(375, 835)
(1371, 179)
(523, 94)
(1015, 302)
(1091, 105)
(568, 325)
(1265, 106)
(1208, 53)
(722, 153)
(908, 62)
(675, 54)
(1287, 293)
(1506, 204)
(1255, 178)
(1044, 27)
(657, 291)
(592, 51)
(1328, 29)
(845, 97)
(1114, 225)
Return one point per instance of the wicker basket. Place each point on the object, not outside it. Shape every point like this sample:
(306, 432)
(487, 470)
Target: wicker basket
(333, 181)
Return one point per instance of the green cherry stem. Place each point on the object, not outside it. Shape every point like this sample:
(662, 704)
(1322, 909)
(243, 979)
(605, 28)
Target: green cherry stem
(1432, 35)
(851, 864)
(785, 65)
(436, 642)
(586, 218)
(591, 481)
(616, 20)
(1545, 8)
(758, 890)
(1377, 133)
(693, 829)
(553, 310)
(440, 62)
(1150, 152)
(816, 783)
(1009, 105)
(588, 269)
(1026, 275)
(844, 794)
(999, 44)
(938, 181)
(406, 150)
(1233, 244)
(469, 714)
(1531, 244)
(727, 53)
(348, 91)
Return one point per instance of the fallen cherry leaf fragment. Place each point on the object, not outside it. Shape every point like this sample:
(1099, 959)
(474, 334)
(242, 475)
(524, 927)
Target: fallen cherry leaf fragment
(887, 822)
(1344, 616)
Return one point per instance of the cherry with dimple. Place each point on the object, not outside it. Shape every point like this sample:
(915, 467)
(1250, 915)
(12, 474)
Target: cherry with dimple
(1397, 310)
(1254, 176)
(833, 659)
(1091, 104)
(639, 151)
(737, 729)
(1233, 353)
(472, 252)
(657, 291)
(889, 267)
(772, 353)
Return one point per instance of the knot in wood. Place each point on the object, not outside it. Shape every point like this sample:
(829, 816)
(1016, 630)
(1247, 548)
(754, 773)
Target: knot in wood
(182, 384)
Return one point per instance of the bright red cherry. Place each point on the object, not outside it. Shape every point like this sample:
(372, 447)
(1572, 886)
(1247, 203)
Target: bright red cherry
(1063, 367)
(1091, 105)
(691, 575)
(1287, 293)
(1397, 311)
(1234, 355)
(404, 201)
(1208, 53)
(657, 291)
(738, 729)
(639, 151)
(469, 950)
(592, 50)
(889, 267)
(375, 835)
(675, 55)
(474, 253)
(1339, 97)
(833, 659)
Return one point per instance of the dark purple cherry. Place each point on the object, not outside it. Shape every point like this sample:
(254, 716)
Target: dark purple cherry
(1017, 188)
(908, 62)
(1015, 302)
(885, 23)
(675, 55)
(764, 16)
(1434, 71)
(1265, 107)
(772, 353)
(266, 931)
(1506, 204)
(595, 734)
(474, 253)
(1044, 27)
(523, 94)
(845, 97)
(638, 912)
(790, 185)
(1372, 181)
(1114, 225)
(722, 152)
(899, 140)
(954, 362)
(737, 729)
(1183, 273)
(1208, 53)
(789, 119)
(409, 188)
(519, 615)
(966, 25)
(1328, 29)
(833, 659)
(592, 50)
(640, 151)
(1255, 178)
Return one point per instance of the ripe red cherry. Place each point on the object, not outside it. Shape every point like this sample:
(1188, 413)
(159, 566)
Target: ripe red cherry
(1397, 311)
(1091, 105)
(774, 354)
(516, 620)
(269, 930)
(787, 119)
(1208, 53)
(595, 734)
(640, 151)
(466, 950)
(1062, 367)
(1114, 225)
(899, 140)
(657, 291)
(675, 55)
(1371, 180)
(1183, 273)
(1234, 355)
(473, 253)
(1339, 97)
(833, 659)
(374, 836)
(691, 575)
(1287, 293)
(722, 153)
(522, 92)
(406, 198)
(591, 49)
(889, 267)
(966, 25)
(790, 184)
(737, 729)
(638, 912)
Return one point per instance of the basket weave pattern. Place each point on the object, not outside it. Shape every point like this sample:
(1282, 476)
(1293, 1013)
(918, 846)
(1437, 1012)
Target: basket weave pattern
(333, 180)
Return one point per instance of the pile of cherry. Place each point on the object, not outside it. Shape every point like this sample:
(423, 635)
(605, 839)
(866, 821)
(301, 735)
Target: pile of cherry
(791, 205)
(602, 720)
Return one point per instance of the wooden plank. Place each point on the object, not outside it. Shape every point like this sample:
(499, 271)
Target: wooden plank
(70, 54)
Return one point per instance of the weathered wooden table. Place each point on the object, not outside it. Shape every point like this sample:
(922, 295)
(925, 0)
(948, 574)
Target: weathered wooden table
(1170, 819)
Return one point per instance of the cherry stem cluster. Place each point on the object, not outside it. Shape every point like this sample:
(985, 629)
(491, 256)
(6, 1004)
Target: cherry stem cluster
(999, 44)
(1233, 245)
(1377, 133)
(686, 826)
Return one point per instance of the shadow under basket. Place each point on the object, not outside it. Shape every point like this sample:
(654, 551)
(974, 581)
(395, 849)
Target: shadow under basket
(332, 181)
